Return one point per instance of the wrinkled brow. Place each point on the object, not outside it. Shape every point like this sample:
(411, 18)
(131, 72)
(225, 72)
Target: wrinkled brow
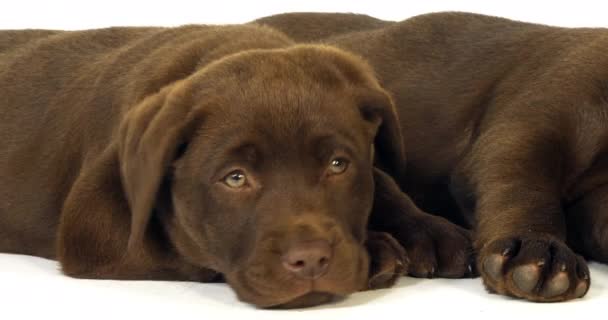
(327, 145)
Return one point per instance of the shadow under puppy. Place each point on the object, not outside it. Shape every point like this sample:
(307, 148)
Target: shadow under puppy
(506, 128)
(200, 153)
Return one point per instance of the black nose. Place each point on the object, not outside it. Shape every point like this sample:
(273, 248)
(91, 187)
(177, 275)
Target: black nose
(308, 259)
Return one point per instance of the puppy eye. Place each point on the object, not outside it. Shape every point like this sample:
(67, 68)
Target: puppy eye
(235, 179)
(338, 165)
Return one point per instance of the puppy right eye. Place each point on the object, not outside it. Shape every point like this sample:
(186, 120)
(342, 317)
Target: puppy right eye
(235, 179)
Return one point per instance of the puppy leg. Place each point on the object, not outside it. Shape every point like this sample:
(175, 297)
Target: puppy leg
(588, 225)
(434, 246)
(516, 173)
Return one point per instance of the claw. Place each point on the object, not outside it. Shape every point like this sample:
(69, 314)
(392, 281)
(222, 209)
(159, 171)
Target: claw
(398, 263)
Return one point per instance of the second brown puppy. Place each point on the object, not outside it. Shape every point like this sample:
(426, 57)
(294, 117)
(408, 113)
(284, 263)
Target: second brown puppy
(506, 128)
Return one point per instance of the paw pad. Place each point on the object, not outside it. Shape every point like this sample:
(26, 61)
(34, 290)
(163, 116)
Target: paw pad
(540, 269)
(526, 277)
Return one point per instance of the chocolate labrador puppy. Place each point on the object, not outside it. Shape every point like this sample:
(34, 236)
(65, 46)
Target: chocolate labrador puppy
(205, 153)
(506, 129)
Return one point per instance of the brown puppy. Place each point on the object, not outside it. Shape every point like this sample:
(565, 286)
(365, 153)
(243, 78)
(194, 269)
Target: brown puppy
(506, 131)
(304, 27)
(202, 152)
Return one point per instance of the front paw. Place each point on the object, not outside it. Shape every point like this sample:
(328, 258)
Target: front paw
(438, 248)
(536, 268)
(388, 260)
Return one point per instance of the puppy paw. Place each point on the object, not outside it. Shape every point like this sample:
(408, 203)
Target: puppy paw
(438, 248)
(388, 260)
(540, 268)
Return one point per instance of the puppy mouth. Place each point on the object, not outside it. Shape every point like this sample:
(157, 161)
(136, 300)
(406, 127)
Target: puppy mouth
(282, 290)
(264, 294)
(300, 295)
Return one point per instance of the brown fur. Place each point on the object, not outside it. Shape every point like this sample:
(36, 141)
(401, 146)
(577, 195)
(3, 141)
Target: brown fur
(506, 131)
(117, 144)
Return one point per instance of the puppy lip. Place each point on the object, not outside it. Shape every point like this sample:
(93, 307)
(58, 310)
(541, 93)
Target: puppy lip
(295, 297)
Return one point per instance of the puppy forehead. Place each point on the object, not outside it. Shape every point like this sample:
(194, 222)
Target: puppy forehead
(266, 71)
(310, 62)
(281, 128)
(287, 106)
(257, 132)
(284, 82)
(281, 99)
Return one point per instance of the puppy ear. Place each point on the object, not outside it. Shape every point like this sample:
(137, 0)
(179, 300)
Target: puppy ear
(378, 108)
(149, 139)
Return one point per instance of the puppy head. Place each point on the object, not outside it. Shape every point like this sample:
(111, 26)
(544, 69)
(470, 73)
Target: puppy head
(263, 164)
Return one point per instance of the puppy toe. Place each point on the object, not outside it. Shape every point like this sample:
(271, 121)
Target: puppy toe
(582, 278)
(388, 260)
(424, 269)
(526, 277)
(493, 266)
(440, 249)
(581, 289)
(556, 285)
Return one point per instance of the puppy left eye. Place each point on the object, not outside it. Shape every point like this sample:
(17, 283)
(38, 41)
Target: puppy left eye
(338, 165)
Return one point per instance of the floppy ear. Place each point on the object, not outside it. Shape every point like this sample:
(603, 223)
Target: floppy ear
(149, 139)
(378, 108)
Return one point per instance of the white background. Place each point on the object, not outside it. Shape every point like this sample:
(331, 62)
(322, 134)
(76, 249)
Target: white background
(33, 288)
(73, 14)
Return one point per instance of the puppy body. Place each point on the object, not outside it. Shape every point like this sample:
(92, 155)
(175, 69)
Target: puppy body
(505, 130)
(205, 152)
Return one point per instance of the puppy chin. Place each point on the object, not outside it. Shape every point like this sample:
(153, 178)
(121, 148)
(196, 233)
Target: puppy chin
(263, 294)
(303, 299)
(310, 299)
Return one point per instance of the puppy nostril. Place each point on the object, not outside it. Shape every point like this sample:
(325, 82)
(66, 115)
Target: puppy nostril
(308, 259)
(323, 261)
